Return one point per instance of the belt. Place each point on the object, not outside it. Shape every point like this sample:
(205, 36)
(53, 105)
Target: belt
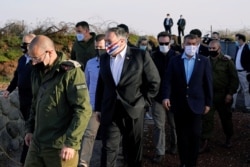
(240, 70)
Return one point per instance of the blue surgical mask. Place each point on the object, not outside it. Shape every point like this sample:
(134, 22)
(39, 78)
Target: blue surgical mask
(79, 36)
(237, 43)
(143, 47)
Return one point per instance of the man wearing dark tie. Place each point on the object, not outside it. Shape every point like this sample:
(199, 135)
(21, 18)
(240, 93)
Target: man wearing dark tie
(127, 82)
(187, 90)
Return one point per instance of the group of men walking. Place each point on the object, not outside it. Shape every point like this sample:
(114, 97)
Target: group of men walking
(118, 83)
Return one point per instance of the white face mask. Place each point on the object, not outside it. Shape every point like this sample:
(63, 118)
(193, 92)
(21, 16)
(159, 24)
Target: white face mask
(190, 50)
(164, 48)
(79, 37)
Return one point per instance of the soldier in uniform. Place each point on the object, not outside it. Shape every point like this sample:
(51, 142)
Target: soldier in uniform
(60, 108)
(225, 84)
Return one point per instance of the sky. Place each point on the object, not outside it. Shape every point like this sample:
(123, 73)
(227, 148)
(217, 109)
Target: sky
(144, 17)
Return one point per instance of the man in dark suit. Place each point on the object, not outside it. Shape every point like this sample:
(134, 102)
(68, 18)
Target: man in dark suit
(242, 64)
(168, 23)
(201, 49)
(181, 26)
(22, 80)
(127, 82)
(188, 86)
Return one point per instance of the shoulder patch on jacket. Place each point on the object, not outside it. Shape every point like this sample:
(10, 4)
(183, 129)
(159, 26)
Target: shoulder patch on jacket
(226, 57)
(81, 86)
(67, 65)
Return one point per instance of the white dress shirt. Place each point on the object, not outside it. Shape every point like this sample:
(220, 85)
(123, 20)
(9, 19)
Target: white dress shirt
(116, 65)
(238, 58)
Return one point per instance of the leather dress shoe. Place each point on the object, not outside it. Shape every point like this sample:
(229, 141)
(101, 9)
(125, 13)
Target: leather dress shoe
(158, 158)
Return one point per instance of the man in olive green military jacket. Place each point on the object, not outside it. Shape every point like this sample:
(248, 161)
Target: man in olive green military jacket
(60, 109)
(225, 84)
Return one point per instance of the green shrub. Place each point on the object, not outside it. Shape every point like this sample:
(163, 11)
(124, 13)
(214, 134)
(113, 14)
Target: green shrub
(13, 54)
(14, 41)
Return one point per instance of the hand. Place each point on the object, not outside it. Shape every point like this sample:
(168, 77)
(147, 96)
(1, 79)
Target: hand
(6, 94)
(228, 98)
(67, 153)
(28, 138)
(98, 116)
(166, 104)
(207, 108)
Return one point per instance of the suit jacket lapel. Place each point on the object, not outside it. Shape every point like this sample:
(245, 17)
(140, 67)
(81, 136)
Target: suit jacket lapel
(182, 68)
(127, 60)
(109, 73)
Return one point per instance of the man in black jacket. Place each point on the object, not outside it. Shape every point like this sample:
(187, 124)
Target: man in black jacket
(161, 59)
(242, 64)
(22, 80)
(121, 98)
(168, 23)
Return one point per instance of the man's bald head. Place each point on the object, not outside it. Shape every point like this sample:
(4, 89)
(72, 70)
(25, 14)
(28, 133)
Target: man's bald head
(41, 42)
(42, 49)
(28, 38)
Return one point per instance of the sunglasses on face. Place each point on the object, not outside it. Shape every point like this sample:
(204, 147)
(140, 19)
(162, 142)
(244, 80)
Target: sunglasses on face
(164, 43)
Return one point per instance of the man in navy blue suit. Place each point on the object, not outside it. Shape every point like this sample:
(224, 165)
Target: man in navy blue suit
(187, 89)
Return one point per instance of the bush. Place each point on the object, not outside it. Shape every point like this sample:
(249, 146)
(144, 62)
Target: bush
(13, 53)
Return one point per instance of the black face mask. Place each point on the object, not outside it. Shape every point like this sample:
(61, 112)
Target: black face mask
(99, 52)
(24, 47)
(40, 66)
(213, 53)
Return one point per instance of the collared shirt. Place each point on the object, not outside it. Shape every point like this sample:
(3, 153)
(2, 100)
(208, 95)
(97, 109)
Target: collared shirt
(27, 58)
(91, 75)
(167, 21)
(238, 58)
(116, 65)
(189, 65)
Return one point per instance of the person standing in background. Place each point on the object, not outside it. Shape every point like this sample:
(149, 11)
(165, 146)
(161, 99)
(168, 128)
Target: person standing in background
(168, 23)
(242, 64)
(201, 49)
(181, 26)
(91, 75)
(126, 29)
(22, 80)
(84, 47)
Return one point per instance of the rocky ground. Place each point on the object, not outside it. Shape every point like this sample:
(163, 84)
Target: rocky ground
(237, 156)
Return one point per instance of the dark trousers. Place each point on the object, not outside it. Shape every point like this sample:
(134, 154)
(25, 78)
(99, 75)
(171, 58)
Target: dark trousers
(225, 114)
(180, 31)
(188, 129)
(25, 110)
(168, 29)
(131, 131)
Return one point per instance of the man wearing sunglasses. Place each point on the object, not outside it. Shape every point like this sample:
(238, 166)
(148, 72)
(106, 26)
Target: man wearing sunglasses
(21, 80)
(161, 58)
